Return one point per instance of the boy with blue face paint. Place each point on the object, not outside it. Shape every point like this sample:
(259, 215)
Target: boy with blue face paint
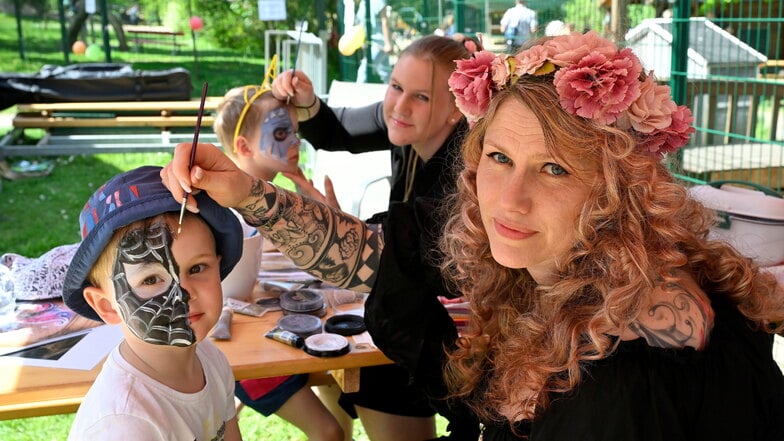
(259, 133)
(165, 380)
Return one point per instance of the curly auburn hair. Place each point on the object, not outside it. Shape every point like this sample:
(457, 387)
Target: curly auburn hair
(636, 228)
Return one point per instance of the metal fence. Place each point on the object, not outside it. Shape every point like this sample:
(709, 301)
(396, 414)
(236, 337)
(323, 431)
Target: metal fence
(723, 58)
(731, 74)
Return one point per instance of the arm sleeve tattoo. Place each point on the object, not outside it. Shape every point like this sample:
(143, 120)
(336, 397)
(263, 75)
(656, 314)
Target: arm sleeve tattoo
(332, 245)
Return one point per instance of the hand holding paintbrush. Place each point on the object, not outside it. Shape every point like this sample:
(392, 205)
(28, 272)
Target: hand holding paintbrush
(193, 151)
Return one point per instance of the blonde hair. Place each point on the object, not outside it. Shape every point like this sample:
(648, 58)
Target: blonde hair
(636, 227)
(230, 109)
(442, 51)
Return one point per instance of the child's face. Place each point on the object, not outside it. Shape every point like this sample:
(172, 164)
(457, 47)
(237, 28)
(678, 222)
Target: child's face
(278, 141)
(167, 288)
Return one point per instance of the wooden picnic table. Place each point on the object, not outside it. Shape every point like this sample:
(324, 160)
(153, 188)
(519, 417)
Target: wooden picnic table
(27, 391)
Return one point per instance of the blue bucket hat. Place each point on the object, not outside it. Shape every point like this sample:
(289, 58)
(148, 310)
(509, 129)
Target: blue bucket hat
(126, 198)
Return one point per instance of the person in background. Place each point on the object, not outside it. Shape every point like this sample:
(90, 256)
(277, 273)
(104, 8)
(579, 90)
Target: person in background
(599, 308)
(259, 133)
(380, 45)
(420, 125)
(133, 268)
(518, 24)
(133, 14)
(447, 26)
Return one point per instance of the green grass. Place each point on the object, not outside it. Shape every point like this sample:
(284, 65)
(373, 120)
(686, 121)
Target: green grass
(253, 426)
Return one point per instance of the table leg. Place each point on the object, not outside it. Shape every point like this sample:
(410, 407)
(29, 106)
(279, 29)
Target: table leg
(347, 379)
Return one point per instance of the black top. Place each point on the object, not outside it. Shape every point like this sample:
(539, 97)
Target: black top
(733, 390)
(406, 283)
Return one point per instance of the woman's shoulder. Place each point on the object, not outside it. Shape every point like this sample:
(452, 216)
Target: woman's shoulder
(644, 392)
(678, 314)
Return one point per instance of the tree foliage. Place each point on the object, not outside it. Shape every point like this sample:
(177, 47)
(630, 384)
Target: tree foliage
(235, 23)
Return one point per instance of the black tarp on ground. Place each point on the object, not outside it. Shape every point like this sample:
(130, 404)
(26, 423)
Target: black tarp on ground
(90, 82)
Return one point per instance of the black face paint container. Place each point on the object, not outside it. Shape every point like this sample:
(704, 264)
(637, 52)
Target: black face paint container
(345, 324)
(303, 301)
(303, 325)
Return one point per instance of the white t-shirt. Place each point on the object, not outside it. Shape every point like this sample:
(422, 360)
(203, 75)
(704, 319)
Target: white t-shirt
(124, 403)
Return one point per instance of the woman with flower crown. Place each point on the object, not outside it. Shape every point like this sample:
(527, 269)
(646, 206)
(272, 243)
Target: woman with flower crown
(599, 308)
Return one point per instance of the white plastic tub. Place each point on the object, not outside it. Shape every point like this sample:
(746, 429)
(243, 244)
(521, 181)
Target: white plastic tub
(750, 220)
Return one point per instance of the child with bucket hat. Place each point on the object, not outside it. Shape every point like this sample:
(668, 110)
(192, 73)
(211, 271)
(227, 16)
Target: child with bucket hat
(132, 268)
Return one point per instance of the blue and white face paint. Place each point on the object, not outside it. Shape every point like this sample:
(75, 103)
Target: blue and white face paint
(278, 135)
(147, 287)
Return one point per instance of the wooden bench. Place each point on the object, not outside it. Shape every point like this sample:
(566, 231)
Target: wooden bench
(107, 127)
(153, 35)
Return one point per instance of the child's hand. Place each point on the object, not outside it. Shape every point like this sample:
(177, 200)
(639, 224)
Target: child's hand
(305, 187)
(297, 87)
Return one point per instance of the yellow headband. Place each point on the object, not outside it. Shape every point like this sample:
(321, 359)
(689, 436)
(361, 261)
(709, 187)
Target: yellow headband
(266, 86)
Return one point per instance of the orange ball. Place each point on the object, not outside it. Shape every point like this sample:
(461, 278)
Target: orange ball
(79, 47)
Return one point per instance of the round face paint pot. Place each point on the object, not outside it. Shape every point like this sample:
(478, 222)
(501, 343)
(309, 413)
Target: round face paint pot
(303, 301)
(345, 324)
(303, 325)
(326, 345)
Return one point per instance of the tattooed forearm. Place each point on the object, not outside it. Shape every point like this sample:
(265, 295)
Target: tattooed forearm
(332, 245)
(680, 316)
(263, 197)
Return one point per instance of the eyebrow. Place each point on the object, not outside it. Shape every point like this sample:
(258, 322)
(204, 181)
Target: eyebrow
(538, 156)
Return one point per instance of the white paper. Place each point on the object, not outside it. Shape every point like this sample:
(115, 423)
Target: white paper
(84, 355)
(272, 10)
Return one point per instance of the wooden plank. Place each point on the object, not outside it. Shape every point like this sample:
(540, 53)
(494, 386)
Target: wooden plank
(770, 177)
(153, 30)
(210, 103)
(347, 379)
(28, 122)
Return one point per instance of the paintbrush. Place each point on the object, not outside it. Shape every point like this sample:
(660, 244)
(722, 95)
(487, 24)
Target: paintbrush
(302, 26)
(193, 151)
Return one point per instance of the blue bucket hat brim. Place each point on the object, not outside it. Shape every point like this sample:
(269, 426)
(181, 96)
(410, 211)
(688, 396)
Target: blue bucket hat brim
(99, 221)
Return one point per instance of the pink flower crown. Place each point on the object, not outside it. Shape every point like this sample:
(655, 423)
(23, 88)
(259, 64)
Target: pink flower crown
(593, 79)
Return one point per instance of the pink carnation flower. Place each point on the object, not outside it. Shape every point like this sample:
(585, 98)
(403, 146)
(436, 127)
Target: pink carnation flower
(653, 109)
(570, 49)
(529, 61)
(673, 137)
(500, 71)
(471, 83)
(598, 87)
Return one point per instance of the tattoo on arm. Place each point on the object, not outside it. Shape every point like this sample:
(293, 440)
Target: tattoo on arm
(685, 318)
(332, 245)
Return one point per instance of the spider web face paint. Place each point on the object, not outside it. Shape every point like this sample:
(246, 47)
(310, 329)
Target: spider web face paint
(147, 286)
